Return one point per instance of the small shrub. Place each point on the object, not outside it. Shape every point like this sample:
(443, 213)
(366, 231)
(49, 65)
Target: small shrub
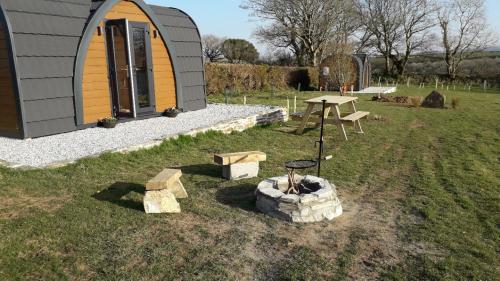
(415, 101)
(455, 102)
(108, 122)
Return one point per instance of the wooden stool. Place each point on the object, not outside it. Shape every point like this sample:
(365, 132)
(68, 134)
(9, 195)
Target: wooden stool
(162, 191)
(240, 165)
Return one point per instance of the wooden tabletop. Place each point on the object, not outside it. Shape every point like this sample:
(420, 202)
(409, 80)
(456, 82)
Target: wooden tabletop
(335, 100)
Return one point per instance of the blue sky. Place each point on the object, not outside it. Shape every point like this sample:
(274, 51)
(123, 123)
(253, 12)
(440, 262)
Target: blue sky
(224, 17)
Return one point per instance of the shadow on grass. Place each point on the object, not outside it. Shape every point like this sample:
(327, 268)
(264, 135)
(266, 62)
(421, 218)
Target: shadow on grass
(117, 191)
(241, 196)
(292, 129)
(210, 170)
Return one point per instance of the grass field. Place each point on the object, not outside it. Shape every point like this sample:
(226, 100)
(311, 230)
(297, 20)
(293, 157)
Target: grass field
(420, 192)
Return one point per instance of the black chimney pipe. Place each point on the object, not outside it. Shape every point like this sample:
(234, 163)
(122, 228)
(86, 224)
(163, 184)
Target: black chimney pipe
(321, 142)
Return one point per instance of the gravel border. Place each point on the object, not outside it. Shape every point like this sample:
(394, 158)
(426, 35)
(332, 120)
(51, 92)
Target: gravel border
(63, 149)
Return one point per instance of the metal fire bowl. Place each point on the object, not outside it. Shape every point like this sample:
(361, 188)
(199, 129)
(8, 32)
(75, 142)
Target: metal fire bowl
(301, 164)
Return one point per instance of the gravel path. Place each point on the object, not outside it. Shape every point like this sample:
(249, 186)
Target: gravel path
(42, 152)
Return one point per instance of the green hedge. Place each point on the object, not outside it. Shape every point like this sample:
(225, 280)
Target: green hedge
(247, 78)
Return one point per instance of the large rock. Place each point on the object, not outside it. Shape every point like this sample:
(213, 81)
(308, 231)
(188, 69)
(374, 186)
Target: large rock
(177, 188)
(240, 171)
(434, 100)
(160, 201)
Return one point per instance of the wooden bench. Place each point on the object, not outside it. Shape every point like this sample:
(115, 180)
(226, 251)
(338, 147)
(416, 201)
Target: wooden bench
(162, 191)
(240, 165)
(353, 119)
(355, 116)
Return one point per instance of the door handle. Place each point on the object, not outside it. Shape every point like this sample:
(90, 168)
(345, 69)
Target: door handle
(126, 69)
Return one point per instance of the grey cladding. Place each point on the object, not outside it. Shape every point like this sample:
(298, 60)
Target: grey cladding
(46, 35)
(185, 37)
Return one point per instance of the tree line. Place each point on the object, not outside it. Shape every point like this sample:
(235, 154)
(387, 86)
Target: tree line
(307, 31)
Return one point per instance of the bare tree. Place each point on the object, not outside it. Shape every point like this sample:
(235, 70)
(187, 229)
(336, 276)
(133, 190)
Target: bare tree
(464, 30)
(212, 48)
(303, 26)
(397, 28)
(416, 21)
(381, 20)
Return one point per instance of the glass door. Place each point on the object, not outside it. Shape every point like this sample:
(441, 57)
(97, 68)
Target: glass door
(131, 71)
(119, 68)
(142, 66)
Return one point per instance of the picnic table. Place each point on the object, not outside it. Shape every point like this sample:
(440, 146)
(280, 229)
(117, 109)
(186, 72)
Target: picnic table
(332, 109)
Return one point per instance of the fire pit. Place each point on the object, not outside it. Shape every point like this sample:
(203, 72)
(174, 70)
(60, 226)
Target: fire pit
(310, 199)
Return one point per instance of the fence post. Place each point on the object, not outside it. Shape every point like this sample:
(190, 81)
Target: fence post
(288, 105)
(245, 100)
(295, 104)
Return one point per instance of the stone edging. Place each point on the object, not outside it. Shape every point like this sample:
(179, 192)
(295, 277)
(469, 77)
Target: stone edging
(317, 206)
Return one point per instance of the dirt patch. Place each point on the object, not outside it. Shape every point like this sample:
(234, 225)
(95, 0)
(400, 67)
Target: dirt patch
(416, 124)
(22, 205)
(378, 118)
(359, 245)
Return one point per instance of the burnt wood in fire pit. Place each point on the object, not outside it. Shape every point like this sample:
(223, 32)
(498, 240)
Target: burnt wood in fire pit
(293, 185)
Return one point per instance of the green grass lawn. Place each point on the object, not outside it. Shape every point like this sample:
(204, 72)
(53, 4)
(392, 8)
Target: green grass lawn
(420, 192)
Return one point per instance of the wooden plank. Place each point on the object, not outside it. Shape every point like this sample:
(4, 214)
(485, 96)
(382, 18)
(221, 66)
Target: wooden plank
(96, 53)
(340, 126)
(101, 69)
(90, 78)
(331, 100)
(239, 157)
(355, 116)
(7, 102)
(307, 115)
(96, 93)
(103, 102)
(164, 179)
(100, 110)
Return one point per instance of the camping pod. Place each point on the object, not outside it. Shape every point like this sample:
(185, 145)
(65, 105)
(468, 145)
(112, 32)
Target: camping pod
(66, 64)
(348, 71)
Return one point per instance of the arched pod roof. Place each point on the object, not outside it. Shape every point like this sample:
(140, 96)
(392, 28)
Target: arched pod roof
(360, 71)
(185, 37)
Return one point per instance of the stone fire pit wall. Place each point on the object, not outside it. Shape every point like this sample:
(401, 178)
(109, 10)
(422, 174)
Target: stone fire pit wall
(320, 205)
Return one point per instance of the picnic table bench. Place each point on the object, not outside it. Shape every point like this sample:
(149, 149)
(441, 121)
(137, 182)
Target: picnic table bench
(333, 104)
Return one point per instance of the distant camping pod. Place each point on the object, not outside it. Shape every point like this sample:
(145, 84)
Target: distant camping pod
(67, 64)
(345, 71)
